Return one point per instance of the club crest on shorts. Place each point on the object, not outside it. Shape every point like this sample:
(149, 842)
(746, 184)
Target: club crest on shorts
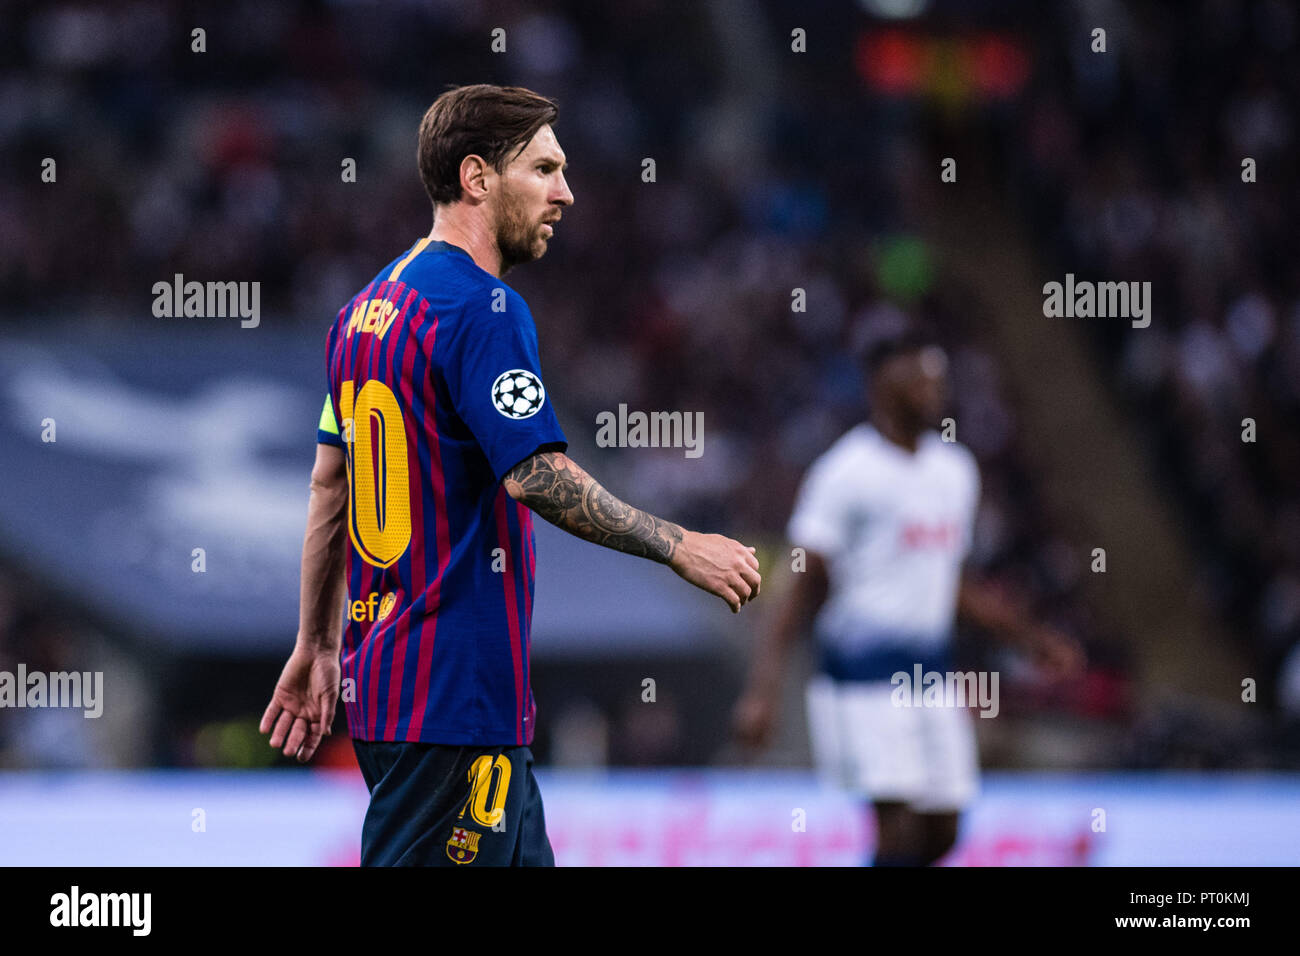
(463, 845)
(518, 393)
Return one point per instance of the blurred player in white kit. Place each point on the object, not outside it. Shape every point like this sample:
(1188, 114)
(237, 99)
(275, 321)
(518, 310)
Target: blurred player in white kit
(885, 518)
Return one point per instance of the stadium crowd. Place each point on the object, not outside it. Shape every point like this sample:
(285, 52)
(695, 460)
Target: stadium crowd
(1171, 163)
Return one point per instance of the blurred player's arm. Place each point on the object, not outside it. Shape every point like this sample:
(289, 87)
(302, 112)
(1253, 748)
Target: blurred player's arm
(558, 489)
(755, 713)
(302, 707)
(1010, 621)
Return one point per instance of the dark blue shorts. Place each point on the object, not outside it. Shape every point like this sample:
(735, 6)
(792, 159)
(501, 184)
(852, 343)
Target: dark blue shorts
(438, 805)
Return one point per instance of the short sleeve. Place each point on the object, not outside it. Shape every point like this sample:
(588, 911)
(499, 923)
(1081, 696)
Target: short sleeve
(494, 378)
(818, 522)
(327, 430)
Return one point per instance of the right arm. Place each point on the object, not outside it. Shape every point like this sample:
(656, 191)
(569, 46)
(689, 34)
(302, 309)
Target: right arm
(303, 703)
(819, 525)
(755, 712)
(561, 491)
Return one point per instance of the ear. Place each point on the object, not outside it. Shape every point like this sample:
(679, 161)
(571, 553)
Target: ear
(474, 172)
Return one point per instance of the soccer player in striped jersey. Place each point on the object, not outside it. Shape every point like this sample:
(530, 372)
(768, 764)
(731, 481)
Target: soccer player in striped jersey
(436, 444)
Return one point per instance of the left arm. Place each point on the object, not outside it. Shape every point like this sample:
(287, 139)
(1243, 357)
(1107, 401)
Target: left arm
(1012, 623)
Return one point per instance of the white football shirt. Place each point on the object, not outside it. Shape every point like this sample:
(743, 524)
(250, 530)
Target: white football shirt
(894, 528)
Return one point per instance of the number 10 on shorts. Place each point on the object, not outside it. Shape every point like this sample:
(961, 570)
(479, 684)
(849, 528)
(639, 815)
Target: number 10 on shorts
(488, 776)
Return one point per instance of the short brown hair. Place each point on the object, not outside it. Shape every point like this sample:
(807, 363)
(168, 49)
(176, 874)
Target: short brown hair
(485, 120)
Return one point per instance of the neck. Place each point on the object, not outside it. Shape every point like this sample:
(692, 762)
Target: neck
(467, 227)
(896, 431)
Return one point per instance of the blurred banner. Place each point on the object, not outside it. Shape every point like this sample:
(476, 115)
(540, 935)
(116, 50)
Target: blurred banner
(158, 480)
(675, 818)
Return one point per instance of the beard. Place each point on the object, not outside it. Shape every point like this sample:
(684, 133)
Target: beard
(519, 238)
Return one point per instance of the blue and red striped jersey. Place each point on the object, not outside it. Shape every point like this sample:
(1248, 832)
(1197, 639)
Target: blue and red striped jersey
(434, 376)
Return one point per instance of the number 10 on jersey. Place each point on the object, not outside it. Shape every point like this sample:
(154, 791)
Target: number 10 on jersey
(379, 489)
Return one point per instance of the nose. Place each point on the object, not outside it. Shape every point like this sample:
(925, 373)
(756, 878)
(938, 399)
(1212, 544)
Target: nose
(565, 197)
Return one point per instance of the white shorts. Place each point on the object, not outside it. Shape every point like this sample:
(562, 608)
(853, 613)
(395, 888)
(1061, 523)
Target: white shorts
(925, 757)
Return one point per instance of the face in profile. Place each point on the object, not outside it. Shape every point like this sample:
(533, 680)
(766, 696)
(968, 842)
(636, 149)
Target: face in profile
(533, 195)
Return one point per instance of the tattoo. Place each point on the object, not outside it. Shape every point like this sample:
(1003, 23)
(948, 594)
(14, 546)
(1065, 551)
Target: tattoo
(554, 486)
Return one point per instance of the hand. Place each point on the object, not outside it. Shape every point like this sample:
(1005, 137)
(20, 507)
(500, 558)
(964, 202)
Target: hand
(754, 718)
(719, 565)
(302, 707)
(1057, 654)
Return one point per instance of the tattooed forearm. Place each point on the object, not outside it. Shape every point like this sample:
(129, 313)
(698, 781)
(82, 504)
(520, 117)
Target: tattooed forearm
(560, 491)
